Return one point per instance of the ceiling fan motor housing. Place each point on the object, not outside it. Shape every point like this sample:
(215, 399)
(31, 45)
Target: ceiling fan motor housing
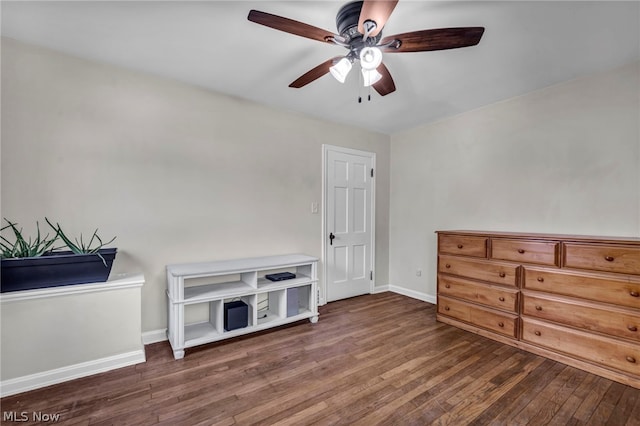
(347, 24)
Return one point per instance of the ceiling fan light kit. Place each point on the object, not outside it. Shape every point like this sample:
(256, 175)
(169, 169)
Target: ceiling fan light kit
(360, 25)
(370, 58)
(340, 70)
(370, 77)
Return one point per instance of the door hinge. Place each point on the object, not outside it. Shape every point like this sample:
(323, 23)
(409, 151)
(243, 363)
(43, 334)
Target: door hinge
(371, 172)
(371, 275)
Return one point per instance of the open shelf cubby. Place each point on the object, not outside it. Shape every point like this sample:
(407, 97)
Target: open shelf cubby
(197, 294)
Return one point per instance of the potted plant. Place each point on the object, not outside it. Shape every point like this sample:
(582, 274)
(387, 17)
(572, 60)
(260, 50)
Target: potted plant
(35, 263)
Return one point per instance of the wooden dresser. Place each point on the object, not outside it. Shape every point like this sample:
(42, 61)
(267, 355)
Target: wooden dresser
(574, 299)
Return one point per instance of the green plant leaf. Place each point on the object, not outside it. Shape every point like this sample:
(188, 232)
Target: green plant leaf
(22, 247)
(79, 247)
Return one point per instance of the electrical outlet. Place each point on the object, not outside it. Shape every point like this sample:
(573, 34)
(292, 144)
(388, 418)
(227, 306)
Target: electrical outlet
(314, 208)
(419, 273)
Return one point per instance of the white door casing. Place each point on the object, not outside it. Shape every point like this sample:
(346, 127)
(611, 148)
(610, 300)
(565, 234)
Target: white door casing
(348, 217)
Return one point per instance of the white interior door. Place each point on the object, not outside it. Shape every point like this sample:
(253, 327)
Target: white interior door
(348, 220)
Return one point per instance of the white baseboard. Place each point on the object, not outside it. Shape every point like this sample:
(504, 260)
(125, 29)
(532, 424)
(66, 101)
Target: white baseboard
(154, 336)
(71, 372)
(406, 292)
(430, 298)
(380, 289)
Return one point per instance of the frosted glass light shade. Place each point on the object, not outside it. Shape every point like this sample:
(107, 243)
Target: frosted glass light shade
(340, 70)
(370, 58)
(370, 77)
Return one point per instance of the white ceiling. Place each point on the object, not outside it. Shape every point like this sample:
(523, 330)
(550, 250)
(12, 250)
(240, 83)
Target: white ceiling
(526, 46)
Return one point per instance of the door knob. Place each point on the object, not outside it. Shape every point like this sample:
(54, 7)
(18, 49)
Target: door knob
(331, 237)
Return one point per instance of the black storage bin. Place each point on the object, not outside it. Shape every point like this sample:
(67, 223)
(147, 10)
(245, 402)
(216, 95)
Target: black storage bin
(236, 315)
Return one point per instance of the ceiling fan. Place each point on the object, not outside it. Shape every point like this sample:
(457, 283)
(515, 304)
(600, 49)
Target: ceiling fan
(360, 25)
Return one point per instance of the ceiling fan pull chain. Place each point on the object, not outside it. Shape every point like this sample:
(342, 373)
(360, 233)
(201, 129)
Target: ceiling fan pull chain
(359, 88)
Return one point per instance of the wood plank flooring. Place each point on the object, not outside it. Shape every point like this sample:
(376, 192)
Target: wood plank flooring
(375, 359)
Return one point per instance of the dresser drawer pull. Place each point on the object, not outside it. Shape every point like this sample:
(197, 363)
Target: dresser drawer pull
(609, 258)
(538, 308)
(537, 333)
(632, 328)
(540, 279)
(502, 274)
(447, 286)
(634, 293)
(521, 251)
(446, 308)
(460, 246)
(447, 266)
(500, 324)
(631, 359)
(501, 299)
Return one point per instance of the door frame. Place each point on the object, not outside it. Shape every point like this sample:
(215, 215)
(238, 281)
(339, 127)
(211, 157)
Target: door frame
(322, 299)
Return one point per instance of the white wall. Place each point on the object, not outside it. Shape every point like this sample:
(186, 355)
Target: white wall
(57, 334)
(177, 173)
(64, 326)
(565, 159)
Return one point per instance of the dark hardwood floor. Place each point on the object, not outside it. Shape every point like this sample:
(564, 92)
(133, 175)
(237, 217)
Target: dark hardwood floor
(375, 359)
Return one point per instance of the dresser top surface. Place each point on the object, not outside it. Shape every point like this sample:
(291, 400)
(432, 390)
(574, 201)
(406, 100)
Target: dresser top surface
(544, 236)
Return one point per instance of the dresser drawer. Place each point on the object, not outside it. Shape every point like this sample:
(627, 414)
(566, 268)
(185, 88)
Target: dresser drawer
(612, 353)
(491, 295)
(602, 257)
(526, 251)
(500, 322)
(608, 288)
(465, 245)
(495, 272)
(590, 316)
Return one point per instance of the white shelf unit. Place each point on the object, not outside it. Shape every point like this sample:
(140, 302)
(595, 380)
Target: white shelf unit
(206, 287)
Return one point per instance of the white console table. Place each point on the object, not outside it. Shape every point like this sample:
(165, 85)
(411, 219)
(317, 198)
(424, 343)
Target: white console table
(213, 284)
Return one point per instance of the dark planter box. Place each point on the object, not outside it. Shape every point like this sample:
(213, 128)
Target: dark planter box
(54, 270)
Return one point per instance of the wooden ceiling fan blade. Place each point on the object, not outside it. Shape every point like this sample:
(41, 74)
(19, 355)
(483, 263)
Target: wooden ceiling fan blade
(385, 85)
(290, 26)
(377, 11)
(314, 74)
(435, 39)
